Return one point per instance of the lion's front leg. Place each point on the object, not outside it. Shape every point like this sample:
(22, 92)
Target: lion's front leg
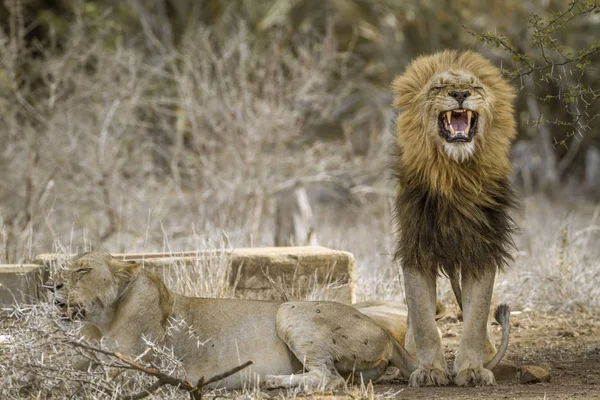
(422, 330)
(476, 301)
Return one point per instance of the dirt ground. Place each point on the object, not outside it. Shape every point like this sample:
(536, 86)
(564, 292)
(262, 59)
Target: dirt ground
(568, 346)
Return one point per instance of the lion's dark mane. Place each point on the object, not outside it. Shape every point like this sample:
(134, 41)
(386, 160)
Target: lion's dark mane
(437, 234)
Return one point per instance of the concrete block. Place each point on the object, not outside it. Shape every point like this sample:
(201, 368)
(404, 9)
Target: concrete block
(264, 273)
(21, 283)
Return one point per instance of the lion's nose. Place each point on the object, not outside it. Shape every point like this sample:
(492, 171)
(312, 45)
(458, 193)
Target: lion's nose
(460, 96)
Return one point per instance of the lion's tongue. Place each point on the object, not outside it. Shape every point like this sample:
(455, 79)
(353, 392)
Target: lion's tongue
(459, 122)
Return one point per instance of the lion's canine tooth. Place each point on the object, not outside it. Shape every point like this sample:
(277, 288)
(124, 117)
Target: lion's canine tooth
(452, 133)
(449, 117)
(468, 128)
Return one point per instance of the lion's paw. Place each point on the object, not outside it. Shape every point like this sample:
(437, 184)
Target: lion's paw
(475, 377)
(309, 381)
(429, 377)
(275, 381)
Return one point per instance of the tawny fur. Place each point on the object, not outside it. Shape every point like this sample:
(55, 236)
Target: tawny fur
(453, 203)
(452, 211)
(315, 345)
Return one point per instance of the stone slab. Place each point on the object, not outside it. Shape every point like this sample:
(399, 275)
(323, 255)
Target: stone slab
(534, 374)
(264, 273)
(21, 283)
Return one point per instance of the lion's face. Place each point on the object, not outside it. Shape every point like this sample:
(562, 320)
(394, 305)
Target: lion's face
(87, 285)
(457, 102)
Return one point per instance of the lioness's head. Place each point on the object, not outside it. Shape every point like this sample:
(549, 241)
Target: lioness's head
(455, 103)
(89, 283)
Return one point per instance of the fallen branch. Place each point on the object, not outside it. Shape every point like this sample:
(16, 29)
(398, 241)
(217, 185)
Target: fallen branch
(224, 375)
(163, 379)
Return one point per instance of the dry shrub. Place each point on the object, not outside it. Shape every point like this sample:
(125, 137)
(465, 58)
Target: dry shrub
(42, 357)
(107, 144)
(557, 267)
(39, 353)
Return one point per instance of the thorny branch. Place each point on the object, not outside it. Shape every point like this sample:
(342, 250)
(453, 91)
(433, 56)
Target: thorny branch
(51, 344)
(552, 67)
(542, 37)
(163, 378)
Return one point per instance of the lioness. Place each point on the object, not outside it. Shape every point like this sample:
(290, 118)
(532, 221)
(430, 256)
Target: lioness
(454, 129)
(312, 343)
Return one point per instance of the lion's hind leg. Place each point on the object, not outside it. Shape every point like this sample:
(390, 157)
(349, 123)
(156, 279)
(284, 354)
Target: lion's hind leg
(332, 341)
(301, 325)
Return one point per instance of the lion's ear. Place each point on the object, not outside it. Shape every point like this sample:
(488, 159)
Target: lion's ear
(123, 270)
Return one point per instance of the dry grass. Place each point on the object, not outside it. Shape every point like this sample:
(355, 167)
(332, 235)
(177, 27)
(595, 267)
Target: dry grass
(38, 359)
(39, 353)
(557, 267)
(110, 146)
(189, 149)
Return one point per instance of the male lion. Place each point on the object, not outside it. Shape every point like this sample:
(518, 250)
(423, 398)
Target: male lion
(454, 130)
(124, 303)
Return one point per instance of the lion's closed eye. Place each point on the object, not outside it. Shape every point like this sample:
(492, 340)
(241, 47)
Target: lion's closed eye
(82, 271)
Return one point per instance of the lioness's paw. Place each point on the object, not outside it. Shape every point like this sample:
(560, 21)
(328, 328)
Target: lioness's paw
(429, 377)
(475, 377)
(275, 381)
(308, 381)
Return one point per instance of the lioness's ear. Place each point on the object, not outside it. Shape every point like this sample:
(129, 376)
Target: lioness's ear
(123, 270)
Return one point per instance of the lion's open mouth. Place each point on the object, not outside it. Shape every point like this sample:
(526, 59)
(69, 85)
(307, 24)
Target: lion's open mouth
(69, 312)
(458, 126)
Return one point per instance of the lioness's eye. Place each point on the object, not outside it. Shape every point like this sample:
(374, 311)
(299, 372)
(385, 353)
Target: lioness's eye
(82, 270)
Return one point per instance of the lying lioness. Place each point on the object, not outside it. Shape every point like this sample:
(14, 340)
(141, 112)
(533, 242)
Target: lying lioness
(314, 344)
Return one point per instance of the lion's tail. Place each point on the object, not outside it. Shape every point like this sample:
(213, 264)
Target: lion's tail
(455, 283)
(403, 360)
(502, 316)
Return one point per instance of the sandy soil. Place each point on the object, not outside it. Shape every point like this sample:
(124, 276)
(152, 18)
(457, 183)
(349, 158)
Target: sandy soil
(568, 346)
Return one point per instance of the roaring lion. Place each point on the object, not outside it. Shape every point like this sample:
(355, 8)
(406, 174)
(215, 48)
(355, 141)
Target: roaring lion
(454, 130)
(313, 344)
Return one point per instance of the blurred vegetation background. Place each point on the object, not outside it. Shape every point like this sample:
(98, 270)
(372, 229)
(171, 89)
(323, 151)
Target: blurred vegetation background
(156, 124)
